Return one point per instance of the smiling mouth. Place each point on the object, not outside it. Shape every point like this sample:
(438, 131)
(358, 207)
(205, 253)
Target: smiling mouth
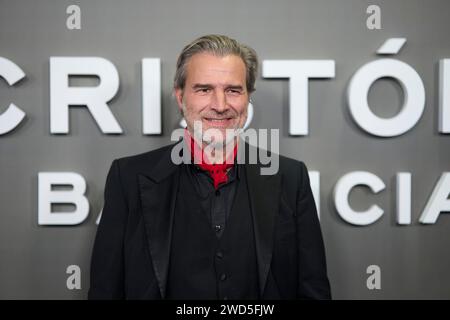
(219, 122)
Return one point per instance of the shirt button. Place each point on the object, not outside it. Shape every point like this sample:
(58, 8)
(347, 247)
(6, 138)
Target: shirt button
(223, 276)
(218, 228)
(219, 255)
(225, 298)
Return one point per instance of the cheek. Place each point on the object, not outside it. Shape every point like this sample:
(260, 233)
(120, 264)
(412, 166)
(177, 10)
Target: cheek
(242, 108)
(188, 109)
(195, 105)
(191, 115)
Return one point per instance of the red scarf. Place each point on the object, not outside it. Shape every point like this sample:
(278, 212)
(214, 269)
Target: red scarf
(217, 171)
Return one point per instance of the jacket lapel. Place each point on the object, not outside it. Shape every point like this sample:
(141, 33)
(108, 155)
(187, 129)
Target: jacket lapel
(158, 197)
(264, 196)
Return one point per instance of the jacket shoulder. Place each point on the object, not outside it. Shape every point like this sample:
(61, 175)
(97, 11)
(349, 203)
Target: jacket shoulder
(288, 164)
(143, 161)
(294, 172)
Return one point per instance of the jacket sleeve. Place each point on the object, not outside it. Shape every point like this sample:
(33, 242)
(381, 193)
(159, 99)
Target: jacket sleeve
(107, 262)
(312, 271)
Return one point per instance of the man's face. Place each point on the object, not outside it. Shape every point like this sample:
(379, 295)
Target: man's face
(215, 93)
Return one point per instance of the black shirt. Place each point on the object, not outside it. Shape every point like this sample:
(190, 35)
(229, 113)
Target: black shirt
(217, 203)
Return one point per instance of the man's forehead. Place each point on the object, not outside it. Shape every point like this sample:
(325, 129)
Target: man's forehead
(206, 59)
(207, 64)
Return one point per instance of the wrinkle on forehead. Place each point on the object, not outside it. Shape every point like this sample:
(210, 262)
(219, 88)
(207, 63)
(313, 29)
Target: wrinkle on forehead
(205, 65)
(219, 70)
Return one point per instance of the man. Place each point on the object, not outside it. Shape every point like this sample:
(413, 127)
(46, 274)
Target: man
(212, 228)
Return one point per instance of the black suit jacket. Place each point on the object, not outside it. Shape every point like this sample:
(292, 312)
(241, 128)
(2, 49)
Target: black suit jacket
(130, 259)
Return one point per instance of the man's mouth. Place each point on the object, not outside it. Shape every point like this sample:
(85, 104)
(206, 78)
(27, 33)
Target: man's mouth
(219, 122)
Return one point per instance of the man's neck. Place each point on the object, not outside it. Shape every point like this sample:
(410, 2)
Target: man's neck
(220, 154)
(212, 154)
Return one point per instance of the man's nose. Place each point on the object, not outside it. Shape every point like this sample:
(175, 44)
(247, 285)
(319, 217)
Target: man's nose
(219, 102)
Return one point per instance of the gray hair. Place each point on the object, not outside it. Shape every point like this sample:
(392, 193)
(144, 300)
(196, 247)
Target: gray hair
(219, 45)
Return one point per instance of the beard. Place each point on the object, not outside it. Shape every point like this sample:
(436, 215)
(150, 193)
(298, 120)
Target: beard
(213, 137)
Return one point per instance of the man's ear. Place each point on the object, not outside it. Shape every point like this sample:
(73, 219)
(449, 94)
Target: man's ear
(179, 97)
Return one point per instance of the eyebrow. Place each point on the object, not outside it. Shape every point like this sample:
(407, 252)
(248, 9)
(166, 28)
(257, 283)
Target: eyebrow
(201, 86)
(235, 87)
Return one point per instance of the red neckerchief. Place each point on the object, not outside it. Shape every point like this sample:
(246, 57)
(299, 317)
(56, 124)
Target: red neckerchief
(217, 171)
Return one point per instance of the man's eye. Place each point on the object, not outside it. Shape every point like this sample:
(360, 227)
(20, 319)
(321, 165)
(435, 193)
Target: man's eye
(204, 90)
(234, 91)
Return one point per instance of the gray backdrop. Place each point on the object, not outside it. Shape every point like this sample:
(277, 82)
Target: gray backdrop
(414, 259)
